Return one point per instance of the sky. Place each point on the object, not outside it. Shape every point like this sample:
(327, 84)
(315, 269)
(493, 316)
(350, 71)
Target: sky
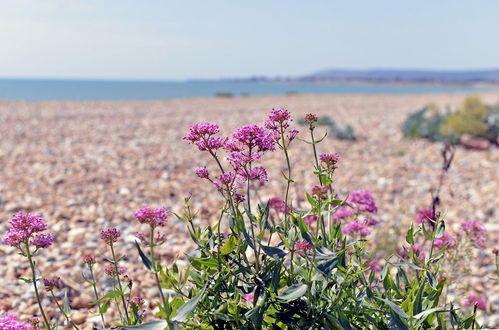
(211, 39)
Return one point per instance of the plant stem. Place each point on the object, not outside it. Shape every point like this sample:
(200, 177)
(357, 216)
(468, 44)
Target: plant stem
(96, 294)
(66, 316)
(119, 283)
(285, 149)
(155, 269)
(33, 272)
(315, 155)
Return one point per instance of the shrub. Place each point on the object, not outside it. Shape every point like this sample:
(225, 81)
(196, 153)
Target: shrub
(270, 264)
(424, 123)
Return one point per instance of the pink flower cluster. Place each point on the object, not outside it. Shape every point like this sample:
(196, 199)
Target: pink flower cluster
(416, 248)
(476, 231)
(278, 119)
(426, 215)
(110, 236)
(25, 226)
(480, 302)
(309, 219)
(320, 192)
(447, 241)
(9, 322)
(110, 270)
(202, 172)
(153, 217)
(311, 118)
(302, 247)
(329, 161)
(278, 204)
(51, 284)
(202, 135)
(356, 227)
(362, 201)
(89, 260)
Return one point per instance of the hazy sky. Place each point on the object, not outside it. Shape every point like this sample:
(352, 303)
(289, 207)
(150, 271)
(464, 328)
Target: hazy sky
(144, 39)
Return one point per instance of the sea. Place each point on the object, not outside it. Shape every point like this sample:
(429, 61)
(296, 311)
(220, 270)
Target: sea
(87, 90)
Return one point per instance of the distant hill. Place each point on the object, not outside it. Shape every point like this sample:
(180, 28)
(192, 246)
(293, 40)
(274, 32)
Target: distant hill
(401, 75)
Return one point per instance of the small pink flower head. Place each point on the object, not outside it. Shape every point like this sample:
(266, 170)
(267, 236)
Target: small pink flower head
(110, 270)
(309, 219)
(302, 247)
(320, 192)
(278, 204)
(43, 240)
(278, 120)
(51, 284)
(259, 174)
(250, 298)
(9, 321)
(416, 248)
(495, 251)
(89, 260)
(363, 201)
(110, 236)
(375, 266)
(202, 172)
(141, 236)
(254, 138)
(153, 217)
(370, 221)
(292, 134)
(426, 215)
(445, 242)
(480, 302)
(476, 232)
(239, 198)
(22, 227)
(202, 135)
(310, 119)
(356, 228)
(329, 161)
(343, 212)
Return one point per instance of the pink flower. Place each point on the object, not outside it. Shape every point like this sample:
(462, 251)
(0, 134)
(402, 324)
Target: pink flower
(292, 134)
(311, 118)
(43, 240)
(22, 227)
(51, 284)
(329, 161)
(254, 138)
(480, 302)
(278, 204)
(278, 120)
(239, 198)
(110, 236)
(476, 231)
(153, 217)
(89, 260)
(416, 248)
(309, 219)
(202, 172)
(370, 221)
(110, 270)
(445, 242)
(343, 212)
(9, 322)
(363, 201)
(356, 227)
(250, 297)
(320, 191)
(426, 215)
(201, 135)
(375, 266)
(302, 247)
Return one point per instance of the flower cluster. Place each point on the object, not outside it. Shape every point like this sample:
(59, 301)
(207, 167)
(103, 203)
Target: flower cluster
(278, 204)
(110, 236)
(202, 135)
(480, 302)
(361, 201)
(9, 321)
(426, 215)
(89, 260)
(153, 217)
(476, 232)
(329, 161)
(202, 172)
(302, 247)
(446, 241)
(416, 248)
(311, 119)
(356, 227)
(136, 304)
(24, 227)
(110, 270)
(51, 284)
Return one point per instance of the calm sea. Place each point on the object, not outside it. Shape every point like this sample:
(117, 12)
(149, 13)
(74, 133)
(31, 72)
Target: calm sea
(12, 89)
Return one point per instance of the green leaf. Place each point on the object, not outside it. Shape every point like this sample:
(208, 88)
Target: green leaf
(103, 308)
(440, 229)
(409, 237)
(247, 237)
(229, 245)
(428, 312)
(26, 280)
(293, 292)
(109, 295)
(394, 307)
(327, 266)
(144, 258)
(273, 252)
(432, 280)
(199, 262)
(186, 309)
(65, 306)
(152, 325)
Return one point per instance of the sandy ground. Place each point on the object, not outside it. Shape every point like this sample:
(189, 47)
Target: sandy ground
(88, 165)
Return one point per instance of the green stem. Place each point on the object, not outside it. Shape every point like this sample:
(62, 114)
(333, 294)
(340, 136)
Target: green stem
(155, 269)
(315, 155)
(285, 149)
(33, 272)
(66, 316)
(96, 294)
(119, 283)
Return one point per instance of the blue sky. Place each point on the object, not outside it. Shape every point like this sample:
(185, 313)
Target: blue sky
(149, 39)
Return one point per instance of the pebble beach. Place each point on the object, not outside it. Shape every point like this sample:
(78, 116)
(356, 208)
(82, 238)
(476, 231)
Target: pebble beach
(87, 166)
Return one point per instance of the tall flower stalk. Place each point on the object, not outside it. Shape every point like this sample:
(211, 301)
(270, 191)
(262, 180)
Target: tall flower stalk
(90, 261)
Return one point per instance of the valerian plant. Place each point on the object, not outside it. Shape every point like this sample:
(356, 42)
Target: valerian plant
(270, 264)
